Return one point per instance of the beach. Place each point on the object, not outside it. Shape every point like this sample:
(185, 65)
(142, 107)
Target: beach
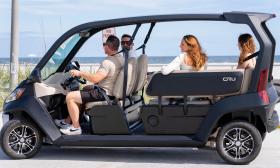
(210, 66)
(92, 67)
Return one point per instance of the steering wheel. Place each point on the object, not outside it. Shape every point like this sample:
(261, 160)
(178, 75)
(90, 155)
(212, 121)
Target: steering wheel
(73, 82)
(79, 79)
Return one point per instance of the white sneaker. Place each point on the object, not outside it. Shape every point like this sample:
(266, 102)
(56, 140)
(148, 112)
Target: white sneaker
(61, 123)
(71, 130)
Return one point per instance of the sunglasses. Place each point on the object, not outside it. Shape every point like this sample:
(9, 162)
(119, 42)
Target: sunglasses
(126, 42)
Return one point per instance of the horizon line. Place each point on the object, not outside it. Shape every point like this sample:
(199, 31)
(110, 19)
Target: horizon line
(277, 55)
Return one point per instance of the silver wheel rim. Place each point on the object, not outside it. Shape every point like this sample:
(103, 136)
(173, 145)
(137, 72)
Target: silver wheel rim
(238, 143)
(22, 140)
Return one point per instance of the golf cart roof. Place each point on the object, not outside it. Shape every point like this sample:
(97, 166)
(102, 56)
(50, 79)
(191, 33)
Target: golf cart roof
(233, 17)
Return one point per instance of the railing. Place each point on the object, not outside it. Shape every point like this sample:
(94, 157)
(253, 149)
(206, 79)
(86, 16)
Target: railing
(152, 67)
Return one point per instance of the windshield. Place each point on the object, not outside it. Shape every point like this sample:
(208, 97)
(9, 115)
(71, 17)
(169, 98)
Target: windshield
(58, 57)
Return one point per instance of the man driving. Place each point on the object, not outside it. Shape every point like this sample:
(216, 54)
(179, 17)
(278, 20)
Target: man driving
(104, 78)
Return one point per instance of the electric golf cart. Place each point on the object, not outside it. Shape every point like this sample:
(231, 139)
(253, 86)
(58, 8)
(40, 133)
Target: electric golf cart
(235, 109)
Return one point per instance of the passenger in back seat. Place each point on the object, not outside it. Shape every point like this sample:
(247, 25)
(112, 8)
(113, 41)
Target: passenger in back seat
(192, 57)
(127, 42)
(247, 47)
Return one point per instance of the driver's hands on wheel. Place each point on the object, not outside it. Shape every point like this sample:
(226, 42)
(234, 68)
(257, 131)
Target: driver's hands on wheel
(75, 73)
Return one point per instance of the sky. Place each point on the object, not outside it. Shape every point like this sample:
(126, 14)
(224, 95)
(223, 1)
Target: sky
(41, 22)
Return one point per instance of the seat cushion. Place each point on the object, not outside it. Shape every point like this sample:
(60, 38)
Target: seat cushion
(92, 104)
(136, 98)
(132, 111)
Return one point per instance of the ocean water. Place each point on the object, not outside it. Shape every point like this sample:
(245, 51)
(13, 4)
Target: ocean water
(152, 59)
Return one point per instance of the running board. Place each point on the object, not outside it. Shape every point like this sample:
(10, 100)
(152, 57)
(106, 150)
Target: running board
(128, 141)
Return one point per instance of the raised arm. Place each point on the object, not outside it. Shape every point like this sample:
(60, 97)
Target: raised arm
(174, 65)
(101, 73)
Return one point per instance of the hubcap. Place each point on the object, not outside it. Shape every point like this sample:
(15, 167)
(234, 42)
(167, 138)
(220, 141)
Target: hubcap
(22, 139)
(238, 143)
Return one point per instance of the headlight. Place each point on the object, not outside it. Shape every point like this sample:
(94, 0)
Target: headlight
(16, 94)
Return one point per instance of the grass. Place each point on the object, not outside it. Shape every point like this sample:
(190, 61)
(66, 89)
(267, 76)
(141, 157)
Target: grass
(5, 81)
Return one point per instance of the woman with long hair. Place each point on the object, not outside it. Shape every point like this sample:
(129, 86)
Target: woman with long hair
(247, 47)
(192, 57)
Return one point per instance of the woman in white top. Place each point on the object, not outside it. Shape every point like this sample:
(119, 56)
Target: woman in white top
(247, 47)
(192, 58)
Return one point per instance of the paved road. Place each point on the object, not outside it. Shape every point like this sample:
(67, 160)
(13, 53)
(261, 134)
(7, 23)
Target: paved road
(51, 156)
(142, 157)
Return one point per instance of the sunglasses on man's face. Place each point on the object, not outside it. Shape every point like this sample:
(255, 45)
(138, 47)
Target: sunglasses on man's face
(126, 43)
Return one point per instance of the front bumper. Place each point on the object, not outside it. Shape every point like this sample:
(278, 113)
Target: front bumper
(273, 122)
(5, 119)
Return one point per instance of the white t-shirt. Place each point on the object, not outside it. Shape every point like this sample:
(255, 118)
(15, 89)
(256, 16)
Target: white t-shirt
(177, 64)
(111, 65)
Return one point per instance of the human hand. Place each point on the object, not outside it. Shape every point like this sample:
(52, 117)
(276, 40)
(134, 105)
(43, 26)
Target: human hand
(75, 73)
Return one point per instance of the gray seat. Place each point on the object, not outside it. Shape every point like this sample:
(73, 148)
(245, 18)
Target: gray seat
(141, 78)
(246, 80)
(118, 86)
(131, 78)
(142, 69)
(133, 111)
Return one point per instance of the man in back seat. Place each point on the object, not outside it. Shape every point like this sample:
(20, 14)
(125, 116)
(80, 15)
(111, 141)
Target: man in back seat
(127, 42)
(104, 78)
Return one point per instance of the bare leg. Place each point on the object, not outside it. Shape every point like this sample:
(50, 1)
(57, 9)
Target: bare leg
(68, 120)
(73, 100)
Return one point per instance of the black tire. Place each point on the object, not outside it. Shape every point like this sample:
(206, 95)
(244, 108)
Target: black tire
(240, 149)
(20, 139)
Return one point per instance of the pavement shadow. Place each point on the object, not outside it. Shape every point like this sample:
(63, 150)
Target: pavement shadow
(129, 155)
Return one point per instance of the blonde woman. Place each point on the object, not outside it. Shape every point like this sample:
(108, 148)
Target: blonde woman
(247, 47)
(192, 57)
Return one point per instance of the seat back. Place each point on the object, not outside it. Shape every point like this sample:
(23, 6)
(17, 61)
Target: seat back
(246, 80)
(131, 76)
(141, 72)
(202, 83)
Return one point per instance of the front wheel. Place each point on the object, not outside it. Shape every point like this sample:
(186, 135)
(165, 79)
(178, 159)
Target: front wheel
(239, 142)
(20, 139)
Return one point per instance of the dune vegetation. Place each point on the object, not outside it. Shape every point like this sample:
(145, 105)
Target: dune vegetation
(5, 81)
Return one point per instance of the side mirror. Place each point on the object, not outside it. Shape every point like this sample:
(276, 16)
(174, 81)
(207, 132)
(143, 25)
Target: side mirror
(35, 75)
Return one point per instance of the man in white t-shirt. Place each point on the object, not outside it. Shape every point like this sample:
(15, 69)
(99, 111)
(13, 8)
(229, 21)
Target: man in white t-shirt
(104, 78)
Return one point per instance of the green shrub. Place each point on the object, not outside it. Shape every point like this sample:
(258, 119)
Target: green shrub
(5, 81)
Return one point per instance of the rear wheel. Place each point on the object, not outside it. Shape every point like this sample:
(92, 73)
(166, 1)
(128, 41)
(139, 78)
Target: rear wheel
(239, 142)
(20, 139)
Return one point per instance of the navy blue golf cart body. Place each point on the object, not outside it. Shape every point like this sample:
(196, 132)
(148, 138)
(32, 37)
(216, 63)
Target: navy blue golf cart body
(236, 107)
